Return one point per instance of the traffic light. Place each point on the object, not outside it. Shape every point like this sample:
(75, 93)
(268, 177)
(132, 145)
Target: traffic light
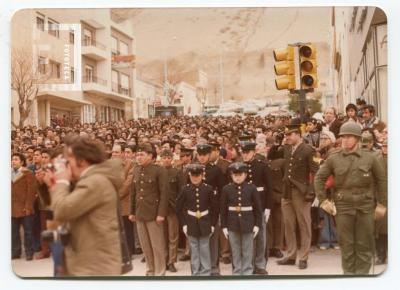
(285, 68)
(308, 66)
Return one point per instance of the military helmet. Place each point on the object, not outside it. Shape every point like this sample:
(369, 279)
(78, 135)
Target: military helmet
(350, 128)
(366, 137)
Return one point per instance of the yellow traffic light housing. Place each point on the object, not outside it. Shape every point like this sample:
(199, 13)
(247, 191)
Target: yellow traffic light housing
(286, 82)
(308, 66)
(285, 68)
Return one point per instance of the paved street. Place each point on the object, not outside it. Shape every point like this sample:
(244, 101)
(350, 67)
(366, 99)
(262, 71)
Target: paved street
(325, 262)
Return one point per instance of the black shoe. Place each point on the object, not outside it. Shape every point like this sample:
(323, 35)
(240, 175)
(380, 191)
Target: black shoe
(171, 268)
(138, 251)
(29, 258)
(184, 258)
(286, 262)
(275, 253)
(14, 257)
(302, 265)
(226, 260)
(143, 260)
(260, 271)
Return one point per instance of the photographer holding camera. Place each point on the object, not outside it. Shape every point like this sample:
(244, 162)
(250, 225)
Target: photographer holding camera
(90, 208)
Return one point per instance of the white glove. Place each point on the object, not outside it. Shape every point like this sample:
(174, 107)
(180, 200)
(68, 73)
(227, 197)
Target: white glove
(315, 202)
(255, 231)
(212, 229)
(184, 228)
(225, 231)
(267, 213)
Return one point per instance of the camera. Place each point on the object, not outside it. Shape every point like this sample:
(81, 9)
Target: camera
(61, 234)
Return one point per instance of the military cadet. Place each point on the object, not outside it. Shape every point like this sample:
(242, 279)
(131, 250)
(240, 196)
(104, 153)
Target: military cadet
(357, 176)
(214, 177)
(149, 207)
(298, 195)
(175, 179)
(275, 235)
(197, 209)
(186, 156)
(259, 174)
(223, 164)
(241, 218)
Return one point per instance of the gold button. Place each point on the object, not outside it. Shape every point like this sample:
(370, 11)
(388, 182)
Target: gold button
(289, 176)
(239, 214)
(141, 182)
(141, 197)
(198, 206)
(197, 189)
(239, 187)
(142, 174)
(197, 194)
(249, 170)
(239, 198)
(290, 164)
(240, 204)
(250, 181)
(290, 170)
(197, 200)
(141, 189)
(239, 192)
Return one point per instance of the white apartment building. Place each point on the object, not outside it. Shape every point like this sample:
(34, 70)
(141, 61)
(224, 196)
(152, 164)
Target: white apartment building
(146, 96)
(360, 56)
(92, 86)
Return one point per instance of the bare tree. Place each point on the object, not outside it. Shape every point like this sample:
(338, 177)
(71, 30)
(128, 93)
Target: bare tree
(25, 80)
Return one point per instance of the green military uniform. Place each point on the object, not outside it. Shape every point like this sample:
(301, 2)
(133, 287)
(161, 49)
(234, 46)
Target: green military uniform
(358, 175)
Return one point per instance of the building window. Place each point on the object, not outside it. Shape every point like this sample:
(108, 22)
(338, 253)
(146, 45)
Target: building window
(40, 22)
(114, 78)
(72, 37)
(88, 74)
(42, 61)
(55, 69)
(114, 46)
(87, 37)
(53, 28)
(72, 75)
(124, 88)
(123, 48)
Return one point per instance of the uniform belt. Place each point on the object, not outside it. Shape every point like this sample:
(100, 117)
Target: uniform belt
(240, 208)
(198, 214)
(260, 188)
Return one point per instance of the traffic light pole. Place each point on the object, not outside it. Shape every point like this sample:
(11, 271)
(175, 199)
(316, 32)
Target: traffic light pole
(302, 101)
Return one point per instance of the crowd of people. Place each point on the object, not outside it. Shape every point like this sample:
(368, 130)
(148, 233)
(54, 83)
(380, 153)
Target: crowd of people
(224, 189)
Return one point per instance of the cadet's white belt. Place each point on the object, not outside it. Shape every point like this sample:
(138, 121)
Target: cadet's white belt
(240, 208)
(260, 188)
(197, 214)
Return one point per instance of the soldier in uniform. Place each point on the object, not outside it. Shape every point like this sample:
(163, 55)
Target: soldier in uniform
(197, 209)
(175, 179)
(149, 207)
(241, 218)
(223, 164)
(259, 174)
(275, 226)
(214, 177)
(358, 174)
(297, 196)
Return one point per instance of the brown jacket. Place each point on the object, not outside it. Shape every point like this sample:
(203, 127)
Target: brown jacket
(124, 192)
(150, 192)
(23, 193)
(91, 211)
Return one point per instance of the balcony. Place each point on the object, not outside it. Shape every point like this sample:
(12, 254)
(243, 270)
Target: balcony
(94, 49)
(94, 85)
(117, 88)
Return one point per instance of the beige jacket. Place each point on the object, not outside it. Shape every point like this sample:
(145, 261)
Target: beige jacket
(91, 212)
